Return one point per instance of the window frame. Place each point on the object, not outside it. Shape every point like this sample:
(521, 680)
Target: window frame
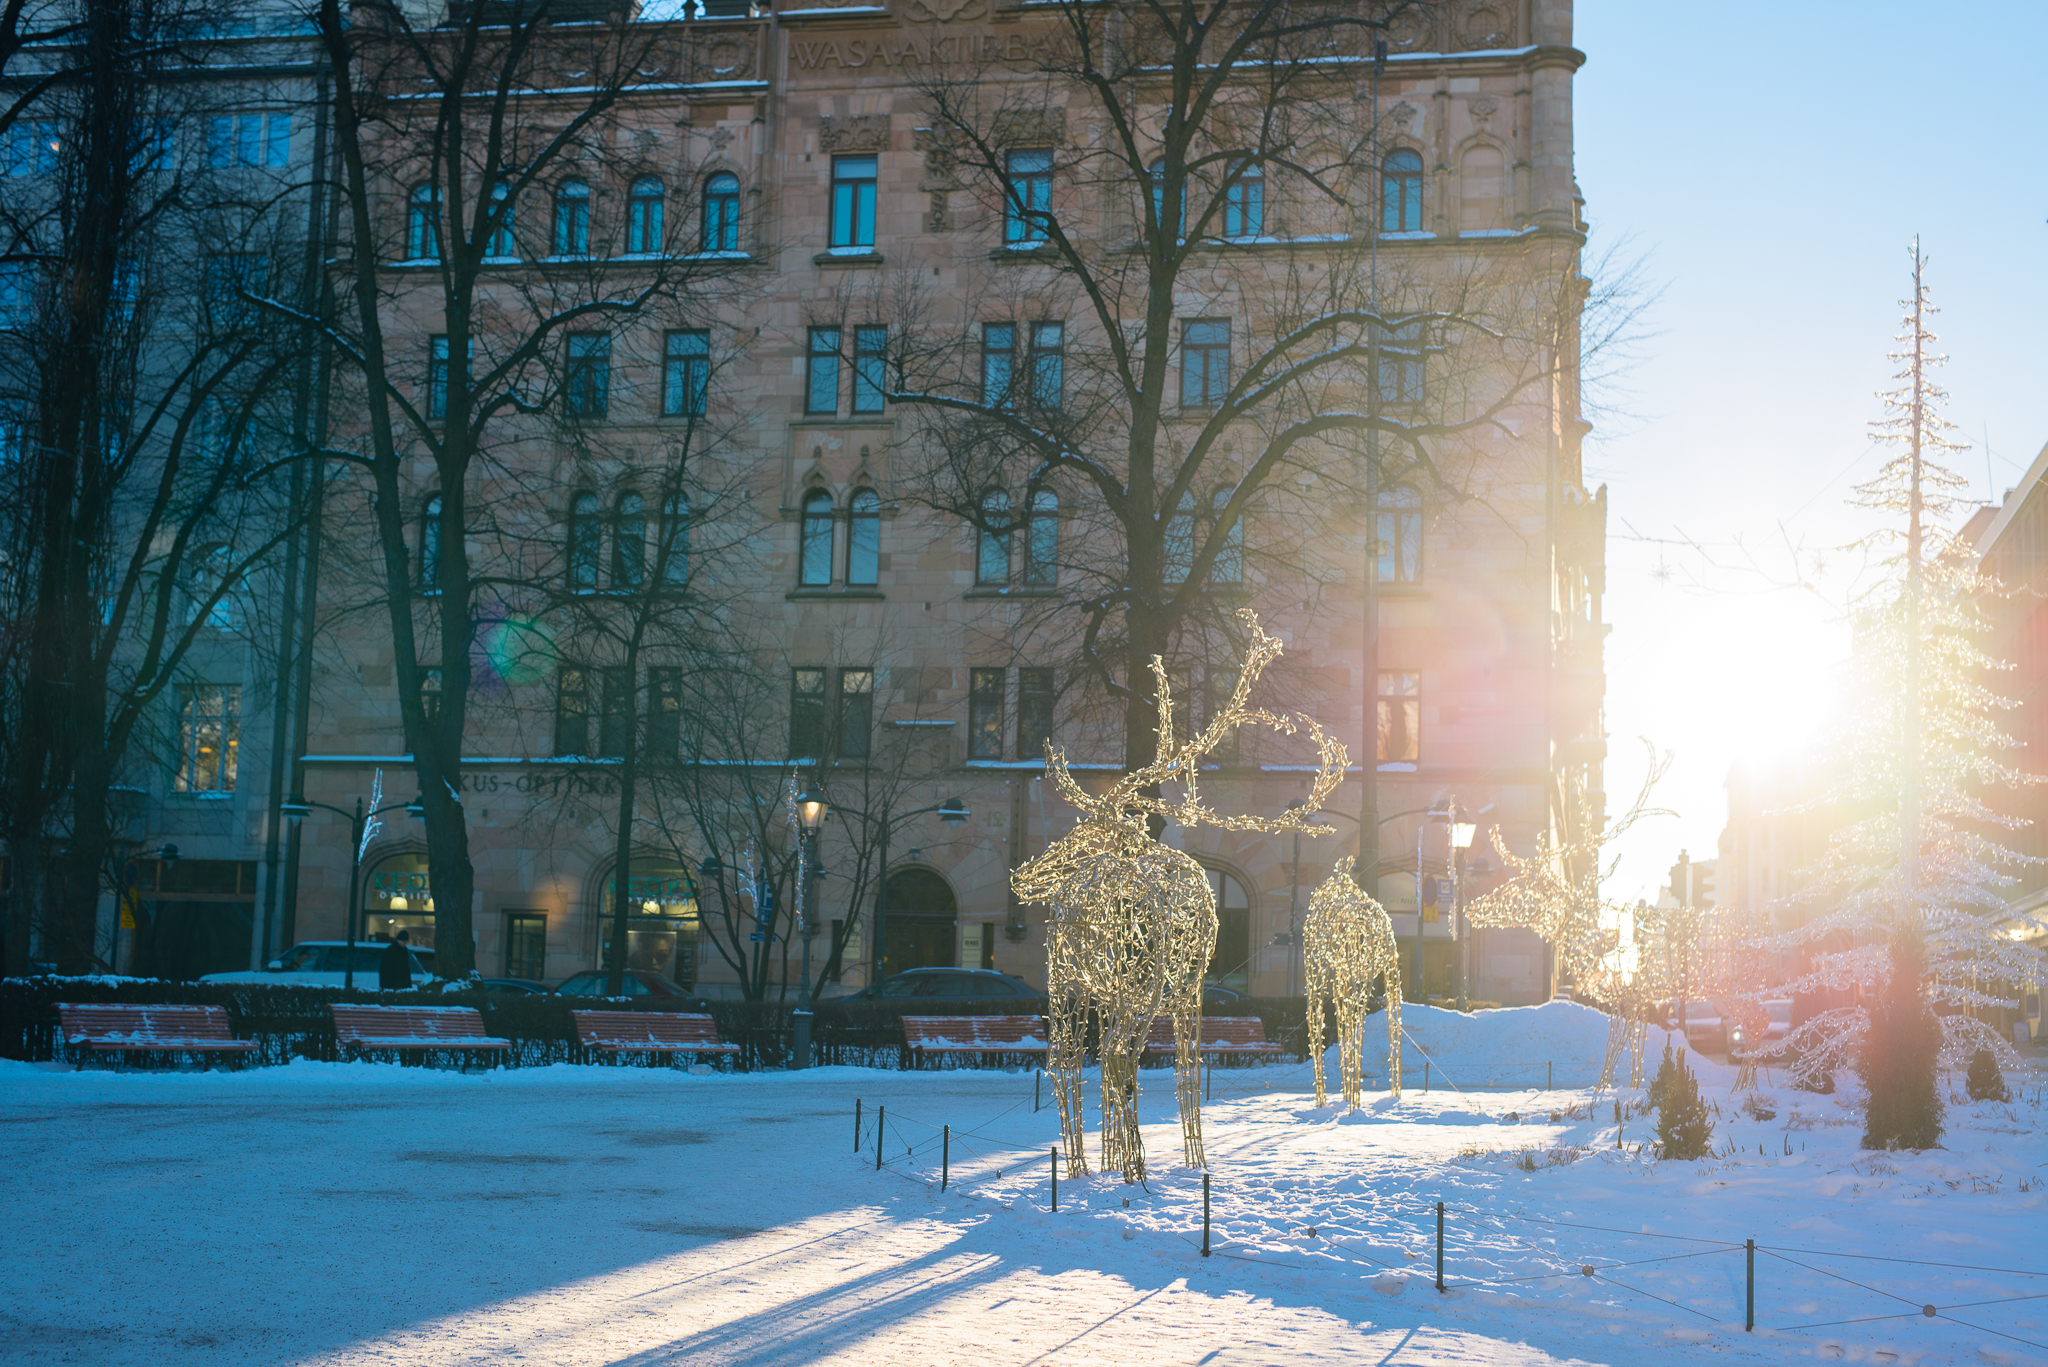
(587, 375)
(991, 545)
(675, 545)
(1398, 532)
(815, 536)
(807, 712)
(864, 539)
(572, 710)
(1397, 692)
(1401, 176)
(1037, 707)
(854, 712)
(852, 218)
(502, 241)
(721, 217)
(1244, 201)
(685, 372)
(1228, 567)
(664, 727)
(987, 718)
(870, 367)
(571, 236)
(1042, 540)
(1047, 355)
(629, 551)
(224, 717)
(1206, 361)
(519, 925)
(430, 544)
(584, 542)
(423, 222)
(645, 216)
(999, 365)
(821, 370)
(1027, 198)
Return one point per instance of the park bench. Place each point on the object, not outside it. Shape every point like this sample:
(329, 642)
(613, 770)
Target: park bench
(360, 1030)
(941, 1035)
(649, 1032)
(133, 1029)
(1222, 1037)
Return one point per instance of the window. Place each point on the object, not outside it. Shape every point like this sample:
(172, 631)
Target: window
(430, 545)
(985, 714)
(158, 152)
(430, 696)
(437, 377)
(572, 219)
(1229, 964)
(675, 542)
(629, 542)
(33, 147)
(210, 587)
(664, 713)
(503, 242)
(853, 202)
(856, 712)
(870, 368)
(992, 540)
(722, 213)
(1399, 532)
(644, 234)
(209, 737)
(17, 294)
(686, 373)
(864, 539)
(1204, 363)
(249, 140)
(1029, 204)
(526, 945)
(1177, 553)
(814, 569)
(1401, 193)
(821, 382)
(572, 711)
(806, 714)
(586, 542)
(1042, 540)
(614, 712)
(587, 380)
(423, 224)
(1229, 566)
(1035, 700)
(231, 275)
(1400, 717)
(1399, 366)
(998, 363)
(1171, 228)
(1048, 364)
(1244, 201)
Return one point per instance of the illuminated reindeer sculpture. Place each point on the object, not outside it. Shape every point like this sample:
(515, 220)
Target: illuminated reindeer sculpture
(1347, 942)
(1134, 922)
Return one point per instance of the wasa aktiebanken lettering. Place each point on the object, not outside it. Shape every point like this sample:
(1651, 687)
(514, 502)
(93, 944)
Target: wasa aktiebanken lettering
(910, 50)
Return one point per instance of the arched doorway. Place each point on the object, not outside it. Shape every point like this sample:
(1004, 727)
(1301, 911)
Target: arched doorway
(920, 927)
(661, 920)
(1230, 965)
(397, 895)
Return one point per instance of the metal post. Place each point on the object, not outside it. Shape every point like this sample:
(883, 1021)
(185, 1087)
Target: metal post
(881, 904)
(856, 1124)
(1055, 1180)
(807, 894)
(1420, 827)
(355, 873)
(1546, 1075)
(1749, 1305)
(1205, 1215)
(881, 1115)
(1439, 1245)
(1425, 1075)
(945, 1156)
(1458, 926)
(1294, 916)
(1037, 1076)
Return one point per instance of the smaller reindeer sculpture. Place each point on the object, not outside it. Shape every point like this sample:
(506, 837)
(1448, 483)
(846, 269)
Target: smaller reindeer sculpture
(1347, 943)
(1134, 921)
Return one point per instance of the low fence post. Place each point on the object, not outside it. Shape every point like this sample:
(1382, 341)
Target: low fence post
(945, 1156)
(1749, 1305)
(1425, 1075)
(881, 1117)
(1205, 1215)
(1546, 1076)
(1055, 1180)
(1037, 1076)
(1439, 1246)
(856, 1124)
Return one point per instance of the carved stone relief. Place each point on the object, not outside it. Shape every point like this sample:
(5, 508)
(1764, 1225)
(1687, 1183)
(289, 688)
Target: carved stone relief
(1031, 128)
(1486, 26)
(1412, 31)
(944, 11)
(941, 159)
(723, 57)
(863, 133)
(1483, 108)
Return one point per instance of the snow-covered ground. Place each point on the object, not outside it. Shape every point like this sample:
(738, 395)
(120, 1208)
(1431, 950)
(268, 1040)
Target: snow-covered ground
(326, 1213)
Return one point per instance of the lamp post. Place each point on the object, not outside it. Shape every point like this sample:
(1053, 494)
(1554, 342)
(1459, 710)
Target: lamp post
(811, 811)
(953, 812)
(1294, 910)
(1462, 832)
(295, 809)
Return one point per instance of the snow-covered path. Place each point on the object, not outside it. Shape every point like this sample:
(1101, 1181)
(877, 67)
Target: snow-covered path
(359, 1213)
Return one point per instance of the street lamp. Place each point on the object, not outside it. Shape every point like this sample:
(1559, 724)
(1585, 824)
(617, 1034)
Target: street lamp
(1462, 832)
(295, 808)
(811, 811)
(953, 812)
(1294, 909)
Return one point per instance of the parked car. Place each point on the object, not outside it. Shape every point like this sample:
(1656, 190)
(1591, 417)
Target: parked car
(1779, 1025)
(324, 963)
(512, 987)
(1706, 1026)
(1217, 998)
(640, 982)
(947, 984)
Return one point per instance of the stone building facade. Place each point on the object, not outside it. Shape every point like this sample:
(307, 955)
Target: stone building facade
(1485, 688)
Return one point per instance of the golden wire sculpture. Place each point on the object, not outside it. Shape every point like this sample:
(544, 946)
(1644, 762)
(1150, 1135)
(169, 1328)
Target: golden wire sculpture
(1134, 922)
(1347, 942)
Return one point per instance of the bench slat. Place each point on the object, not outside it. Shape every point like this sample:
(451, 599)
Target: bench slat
(976, 1034)
(413, 1027)
(1220, 1035)
(650, 1032)
(136, 1027)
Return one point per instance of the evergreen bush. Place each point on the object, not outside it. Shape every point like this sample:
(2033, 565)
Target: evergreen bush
(1683, 1130)
(1985, 1082)
(1661, 1084)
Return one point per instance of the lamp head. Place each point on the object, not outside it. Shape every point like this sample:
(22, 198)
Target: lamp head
(709, 867)
(416, 808)
(953, 811)
(1462, 833)
(811, 810)
(295, 808)
(168, 854)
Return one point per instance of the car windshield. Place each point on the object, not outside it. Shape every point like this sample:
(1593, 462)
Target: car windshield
(300, 959)
(1781, 1012)
(907, 985)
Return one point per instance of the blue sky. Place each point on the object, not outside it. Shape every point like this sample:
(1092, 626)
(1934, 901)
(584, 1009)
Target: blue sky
(1773, 162)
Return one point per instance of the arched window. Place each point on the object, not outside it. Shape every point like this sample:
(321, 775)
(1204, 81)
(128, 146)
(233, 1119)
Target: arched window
(1042, 540)
(629, 542)
(814, 568)
(423, 224)
(1179, 548)
(992, 548)
(722, 213)
(572, 219)
(1399, 530)
(1229, 567)
(1244, 202)
(1401, 192)
(1168, 224)
(504, 241)
(586, 542)
(864, 539)
(643, 216)
(675, 537)
(430, 545)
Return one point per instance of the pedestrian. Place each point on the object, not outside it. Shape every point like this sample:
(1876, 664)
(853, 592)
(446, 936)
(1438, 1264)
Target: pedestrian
(394, 965)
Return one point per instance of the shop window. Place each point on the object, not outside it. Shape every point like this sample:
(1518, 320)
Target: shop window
(526, 945)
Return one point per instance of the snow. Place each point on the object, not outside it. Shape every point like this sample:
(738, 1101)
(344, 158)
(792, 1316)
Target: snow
(342, 1213)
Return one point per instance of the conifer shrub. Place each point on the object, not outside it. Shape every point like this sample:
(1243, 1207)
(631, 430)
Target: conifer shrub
(1660, 1084)
(1683, 1130)
(1984, 1082)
